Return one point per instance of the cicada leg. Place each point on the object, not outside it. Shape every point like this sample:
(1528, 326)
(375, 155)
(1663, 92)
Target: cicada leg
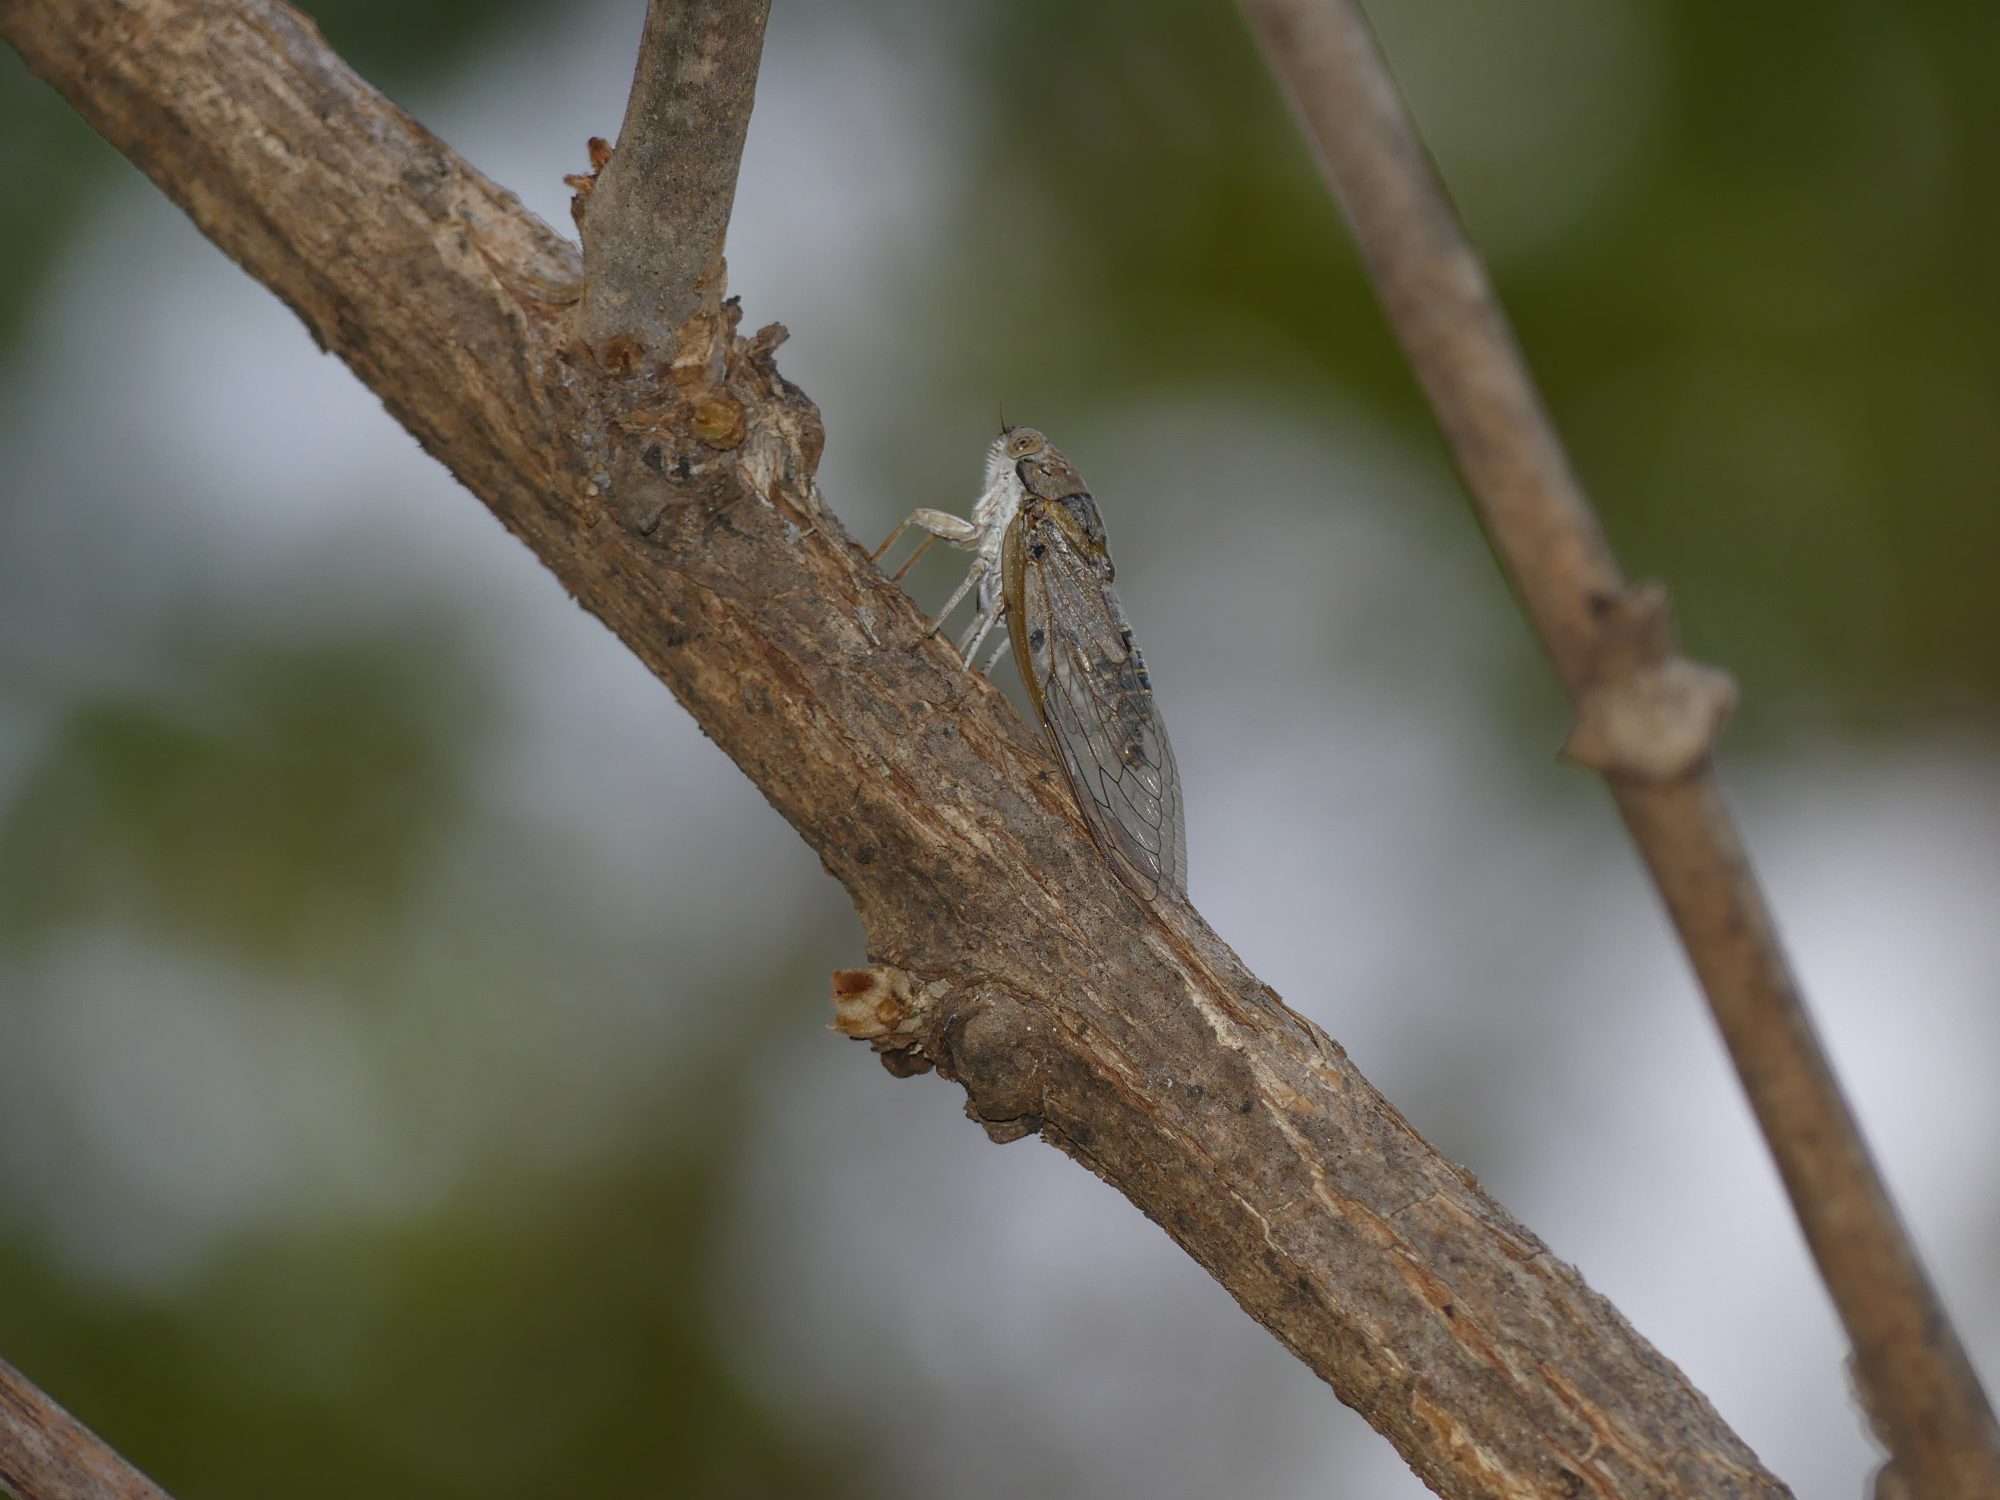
(942, 526)
(967, 536)
(1006, 644)
(992, 610)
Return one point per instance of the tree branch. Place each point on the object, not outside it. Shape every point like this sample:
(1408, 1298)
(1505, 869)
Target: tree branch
(1646, 718)
(678, 504)
(46, 1454)
(654, 224)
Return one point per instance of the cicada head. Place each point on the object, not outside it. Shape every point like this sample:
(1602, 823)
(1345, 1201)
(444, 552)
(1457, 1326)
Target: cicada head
(1044, 473)
(1007, 451)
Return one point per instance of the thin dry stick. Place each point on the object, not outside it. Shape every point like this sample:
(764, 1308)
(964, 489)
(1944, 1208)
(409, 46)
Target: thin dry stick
(1646, 718)
(46, 1454)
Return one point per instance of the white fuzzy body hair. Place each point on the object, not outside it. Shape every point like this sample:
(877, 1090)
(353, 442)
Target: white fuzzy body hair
(992, 513)
(1001, 498)
(983, 535)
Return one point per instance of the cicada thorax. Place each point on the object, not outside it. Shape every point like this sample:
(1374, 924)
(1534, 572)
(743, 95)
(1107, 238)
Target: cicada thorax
(1046, 475)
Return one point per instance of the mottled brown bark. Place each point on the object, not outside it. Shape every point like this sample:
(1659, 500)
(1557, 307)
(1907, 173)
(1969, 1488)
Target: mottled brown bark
(1646, 718)
(676, 500)
(46, 1454)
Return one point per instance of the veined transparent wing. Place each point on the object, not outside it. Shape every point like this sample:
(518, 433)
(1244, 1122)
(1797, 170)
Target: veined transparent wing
(1088, 683)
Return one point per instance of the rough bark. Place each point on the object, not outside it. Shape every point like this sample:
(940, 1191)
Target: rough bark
(676, 500)
(1647, 719)
(46, 1454)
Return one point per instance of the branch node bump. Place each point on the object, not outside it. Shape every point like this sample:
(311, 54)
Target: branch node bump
(1645, 713)
(1004, 1132)
(883, 1007)
(585, 183)
(870, 1003)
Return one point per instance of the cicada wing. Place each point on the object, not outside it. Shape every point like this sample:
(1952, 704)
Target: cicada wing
(1089, 684)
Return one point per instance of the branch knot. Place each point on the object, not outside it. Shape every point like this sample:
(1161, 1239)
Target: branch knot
(1645, 712)
(883, 1007)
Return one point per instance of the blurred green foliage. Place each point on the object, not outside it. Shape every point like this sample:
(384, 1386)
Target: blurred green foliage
(541, 1331)
(532, 1339)
(1768, 335)
(1766, 323)
(281, 805)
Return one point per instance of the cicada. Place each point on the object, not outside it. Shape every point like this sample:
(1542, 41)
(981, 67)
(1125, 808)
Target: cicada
(1074, 649)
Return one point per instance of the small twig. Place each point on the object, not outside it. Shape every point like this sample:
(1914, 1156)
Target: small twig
(46, 1454)
(654, 223)
(1646, 718)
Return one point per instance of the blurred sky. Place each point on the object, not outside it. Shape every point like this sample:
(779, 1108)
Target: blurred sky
(412, 1068)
